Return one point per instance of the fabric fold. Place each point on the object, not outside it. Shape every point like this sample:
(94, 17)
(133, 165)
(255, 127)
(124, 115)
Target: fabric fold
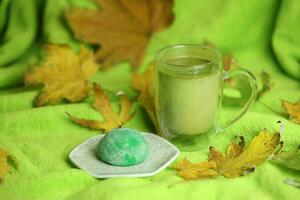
(286, 39)
(21, 30)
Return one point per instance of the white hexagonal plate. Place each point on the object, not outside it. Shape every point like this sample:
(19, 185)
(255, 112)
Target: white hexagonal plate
(161, 154)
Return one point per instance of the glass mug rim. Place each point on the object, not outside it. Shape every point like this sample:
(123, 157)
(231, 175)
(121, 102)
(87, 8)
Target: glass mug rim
(189, 69)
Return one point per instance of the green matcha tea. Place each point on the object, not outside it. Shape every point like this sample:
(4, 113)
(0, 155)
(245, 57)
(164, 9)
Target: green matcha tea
(187, 104)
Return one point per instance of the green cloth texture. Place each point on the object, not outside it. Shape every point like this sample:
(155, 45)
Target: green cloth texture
(263, 35)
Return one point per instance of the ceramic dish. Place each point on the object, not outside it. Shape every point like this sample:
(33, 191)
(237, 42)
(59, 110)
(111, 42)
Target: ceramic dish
(161, 154)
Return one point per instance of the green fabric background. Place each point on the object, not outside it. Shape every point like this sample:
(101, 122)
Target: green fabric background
(263, 35)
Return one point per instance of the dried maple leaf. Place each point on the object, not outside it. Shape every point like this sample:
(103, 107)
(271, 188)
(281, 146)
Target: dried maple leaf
(267, 84)
(63, 73)
(122, 28)
(4, 157)
(103, 105)
(144, 84)
(229, 62)
(188, 170)
(240, 160)
(236, 162)
(292, 109)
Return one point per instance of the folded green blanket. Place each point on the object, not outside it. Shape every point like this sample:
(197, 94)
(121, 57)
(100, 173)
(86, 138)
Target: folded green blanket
(263, 35)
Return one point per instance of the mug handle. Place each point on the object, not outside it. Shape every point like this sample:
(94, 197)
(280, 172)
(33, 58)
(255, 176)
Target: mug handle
(251, 100)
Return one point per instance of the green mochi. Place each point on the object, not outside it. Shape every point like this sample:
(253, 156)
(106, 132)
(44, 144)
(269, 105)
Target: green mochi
(123, 147)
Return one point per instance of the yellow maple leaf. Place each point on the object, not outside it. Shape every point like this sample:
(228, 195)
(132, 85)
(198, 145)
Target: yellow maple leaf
(103, 105)
(63, 74)
(240, 160)
(188, 170)
(292, 109)
(237, 161)
(144, 84)
(4, 157)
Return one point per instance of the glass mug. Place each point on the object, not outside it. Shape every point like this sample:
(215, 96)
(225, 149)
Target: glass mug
(188, 92)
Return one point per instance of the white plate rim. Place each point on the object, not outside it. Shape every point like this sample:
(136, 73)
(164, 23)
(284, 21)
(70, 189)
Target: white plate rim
(136, 175)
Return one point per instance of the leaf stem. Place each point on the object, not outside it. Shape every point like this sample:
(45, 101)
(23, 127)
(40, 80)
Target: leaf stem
(273, 110)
